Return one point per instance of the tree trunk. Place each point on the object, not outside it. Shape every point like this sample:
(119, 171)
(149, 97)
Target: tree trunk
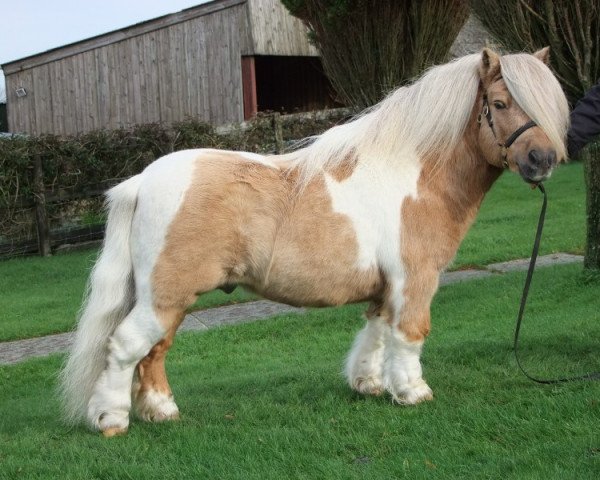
(591, 162)
(41, 217)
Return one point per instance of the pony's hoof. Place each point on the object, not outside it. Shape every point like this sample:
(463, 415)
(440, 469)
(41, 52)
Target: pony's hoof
(153, 406)
(114, 432)
(112, 423)
(412, 394)
(368, 385)
(161, 417)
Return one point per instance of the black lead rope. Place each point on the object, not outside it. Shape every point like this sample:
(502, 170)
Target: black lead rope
(536, 245)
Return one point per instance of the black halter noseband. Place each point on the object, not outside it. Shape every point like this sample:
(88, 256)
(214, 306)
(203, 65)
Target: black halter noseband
(487, 113)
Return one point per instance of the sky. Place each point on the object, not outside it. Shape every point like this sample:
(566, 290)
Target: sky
(28, 27)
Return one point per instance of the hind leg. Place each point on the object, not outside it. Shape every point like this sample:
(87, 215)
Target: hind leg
(364, 366)
(152, 396)
(108, 408)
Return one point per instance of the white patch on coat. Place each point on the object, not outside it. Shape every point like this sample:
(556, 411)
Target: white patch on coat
(162, 190)
(372, 199)
(253, 157)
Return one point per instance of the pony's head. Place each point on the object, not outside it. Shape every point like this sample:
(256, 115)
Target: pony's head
(524, 114)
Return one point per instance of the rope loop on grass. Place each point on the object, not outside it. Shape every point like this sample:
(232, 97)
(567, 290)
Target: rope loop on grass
(593, 376)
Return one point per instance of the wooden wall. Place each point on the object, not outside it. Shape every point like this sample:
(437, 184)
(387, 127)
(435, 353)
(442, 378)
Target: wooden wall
(192, 68)
(182, 65)
(275, 32)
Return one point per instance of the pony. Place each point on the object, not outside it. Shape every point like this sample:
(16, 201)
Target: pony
(370, 211)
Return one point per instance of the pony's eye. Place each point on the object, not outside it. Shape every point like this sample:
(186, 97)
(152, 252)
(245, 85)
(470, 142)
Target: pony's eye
(499, 105)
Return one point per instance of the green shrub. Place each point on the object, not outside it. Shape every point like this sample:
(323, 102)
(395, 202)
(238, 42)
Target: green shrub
(76, 169)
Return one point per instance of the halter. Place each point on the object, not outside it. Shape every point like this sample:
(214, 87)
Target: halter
(487, 113)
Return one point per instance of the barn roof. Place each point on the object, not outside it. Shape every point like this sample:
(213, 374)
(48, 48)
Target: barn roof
(141, 29)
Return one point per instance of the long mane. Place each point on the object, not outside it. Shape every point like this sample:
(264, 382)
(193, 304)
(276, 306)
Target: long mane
(429, 117)
(539, 94)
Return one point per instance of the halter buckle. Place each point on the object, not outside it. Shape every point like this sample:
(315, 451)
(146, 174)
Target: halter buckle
(504, 155)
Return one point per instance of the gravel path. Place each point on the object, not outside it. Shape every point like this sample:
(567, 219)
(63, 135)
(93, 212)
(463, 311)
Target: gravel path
(19, 350)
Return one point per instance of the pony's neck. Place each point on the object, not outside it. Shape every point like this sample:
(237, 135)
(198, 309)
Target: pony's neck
(460, 182)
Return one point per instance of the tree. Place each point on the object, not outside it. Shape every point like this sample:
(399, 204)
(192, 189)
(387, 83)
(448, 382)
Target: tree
(369, 47)
(572, 30)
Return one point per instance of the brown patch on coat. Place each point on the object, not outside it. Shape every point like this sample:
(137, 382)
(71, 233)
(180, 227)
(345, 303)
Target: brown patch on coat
(232, 205)
(345, 169)
(242, 222)
(434, 224)
(314, 256)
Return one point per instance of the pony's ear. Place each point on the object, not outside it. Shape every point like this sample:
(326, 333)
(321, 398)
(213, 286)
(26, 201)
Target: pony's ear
(543, 55)
(490, 64)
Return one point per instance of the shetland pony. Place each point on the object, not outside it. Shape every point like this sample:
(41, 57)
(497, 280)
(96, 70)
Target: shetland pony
(372, 210)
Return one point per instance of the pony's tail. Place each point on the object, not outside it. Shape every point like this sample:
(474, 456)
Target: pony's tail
(109, 298)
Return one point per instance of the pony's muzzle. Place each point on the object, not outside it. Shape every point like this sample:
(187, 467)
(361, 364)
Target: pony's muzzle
(538, 165)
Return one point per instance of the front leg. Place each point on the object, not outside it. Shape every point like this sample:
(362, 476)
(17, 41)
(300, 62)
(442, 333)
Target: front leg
(364, 365)
(408, 315)
(402, 373)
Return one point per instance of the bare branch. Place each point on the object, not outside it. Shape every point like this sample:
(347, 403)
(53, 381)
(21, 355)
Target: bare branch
(532, 11)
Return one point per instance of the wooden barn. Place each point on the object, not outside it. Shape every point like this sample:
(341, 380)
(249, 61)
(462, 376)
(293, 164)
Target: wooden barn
(221, 62)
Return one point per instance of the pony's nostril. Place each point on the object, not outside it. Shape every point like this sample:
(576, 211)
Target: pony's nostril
(535, 157)
(541, 159)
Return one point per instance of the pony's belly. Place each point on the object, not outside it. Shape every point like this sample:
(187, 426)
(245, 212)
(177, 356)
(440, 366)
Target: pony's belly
(322, 290)
(319, 281)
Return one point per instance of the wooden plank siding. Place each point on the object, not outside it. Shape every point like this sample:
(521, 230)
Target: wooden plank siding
(276, 32)
(187, 64)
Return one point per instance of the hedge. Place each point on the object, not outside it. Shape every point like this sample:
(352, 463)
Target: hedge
(78, 167)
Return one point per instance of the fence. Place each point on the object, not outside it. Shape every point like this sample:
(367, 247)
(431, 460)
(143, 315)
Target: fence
(48, 220)
(51, 188)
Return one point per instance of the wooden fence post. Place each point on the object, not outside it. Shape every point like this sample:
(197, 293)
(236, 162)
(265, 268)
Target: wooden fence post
(278, 130)
(41, 217)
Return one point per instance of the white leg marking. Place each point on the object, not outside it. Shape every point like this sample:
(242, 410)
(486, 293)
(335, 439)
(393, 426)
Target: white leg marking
(402, 374)
(154, 406)
(108, 408)
(364, 366)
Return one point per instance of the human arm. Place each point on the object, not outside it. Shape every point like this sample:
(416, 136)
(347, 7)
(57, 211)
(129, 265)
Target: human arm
(585, 121)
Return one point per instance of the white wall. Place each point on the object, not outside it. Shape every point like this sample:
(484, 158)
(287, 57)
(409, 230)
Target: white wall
(2, 88)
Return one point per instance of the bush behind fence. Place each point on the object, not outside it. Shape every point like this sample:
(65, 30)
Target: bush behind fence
(51, 187)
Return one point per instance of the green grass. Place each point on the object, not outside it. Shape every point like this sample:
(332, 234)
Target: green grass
(42, 296)
(505, 226)
(267, 400)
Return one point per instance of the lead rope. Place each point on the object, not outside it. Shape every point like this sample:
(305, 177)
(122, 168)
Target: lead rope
(594, 376)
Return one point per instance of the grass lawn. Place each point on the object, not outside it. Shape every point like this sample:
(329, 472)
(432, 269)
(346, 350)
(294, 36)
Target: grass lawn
(267, 401)
(42, 295)
(505, 227)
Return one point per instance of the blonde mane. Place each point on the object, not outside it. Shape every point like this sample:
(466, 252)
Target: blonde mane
(429, 117)
(539, 94)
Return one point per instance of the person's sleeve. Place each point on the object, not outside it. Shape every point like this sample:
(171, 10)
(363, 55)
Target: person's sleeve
(585, 121)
